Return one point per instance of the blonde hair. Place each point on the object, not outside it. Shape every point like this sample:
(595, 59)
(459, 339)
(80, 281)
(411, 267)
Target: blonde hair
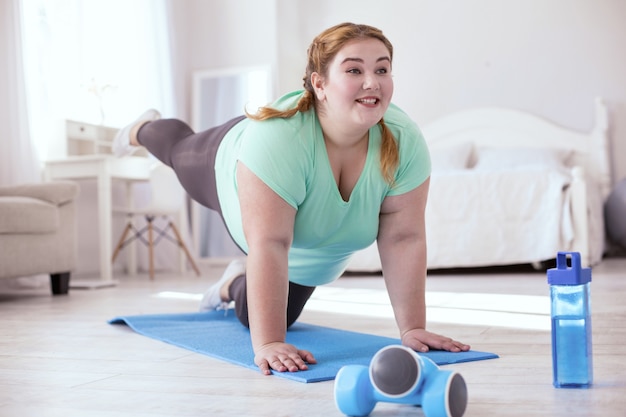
(320, 54)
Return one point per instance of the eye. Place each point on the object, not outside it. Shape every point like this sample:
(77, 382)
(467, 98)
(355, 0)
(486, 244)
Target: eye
(353, 71)
(382, 71)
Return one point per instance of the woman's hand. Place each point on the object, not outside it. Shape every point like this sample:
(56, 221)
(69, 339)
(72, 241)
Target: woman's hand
(421, 340)
(282, 357)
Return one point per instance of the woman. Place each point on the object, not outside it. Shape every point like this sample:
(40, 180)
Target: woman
(306, 182)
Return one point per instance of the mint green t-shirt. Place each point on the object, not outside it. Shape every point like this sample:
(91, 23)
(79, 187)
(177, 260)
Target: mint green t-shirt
(289, 155)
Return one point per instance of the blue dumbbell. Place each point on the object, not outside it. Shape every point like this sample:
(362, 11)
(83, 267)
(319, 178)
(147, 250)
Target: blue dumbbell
(399, 375)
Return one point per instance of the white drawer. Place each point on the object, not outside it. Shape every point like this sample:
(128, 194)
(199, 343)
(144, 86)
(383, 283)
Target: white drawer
(84, 131)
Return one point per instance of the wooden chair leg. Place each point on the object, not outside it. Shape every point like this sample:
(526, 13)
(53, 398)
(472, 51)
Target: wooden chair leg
(151, 248)
(184, 248)
(121, 242)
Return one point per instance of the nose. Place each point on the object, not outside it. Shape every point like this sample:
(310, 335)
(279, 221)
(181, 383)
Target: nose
(370, 82)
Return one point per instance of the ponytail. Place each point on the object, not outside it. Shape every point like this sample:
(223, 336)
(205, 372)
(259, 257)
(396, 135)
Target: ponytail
(389, 155)
(304, 104)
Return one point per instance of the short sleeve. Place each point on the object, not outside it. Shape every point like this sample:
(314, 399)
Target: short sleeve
(275, 151)
(415, 165)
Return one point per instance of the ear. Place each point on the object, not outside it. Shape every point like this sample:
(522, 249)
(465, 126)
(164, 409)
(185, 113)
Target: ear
(318, 86)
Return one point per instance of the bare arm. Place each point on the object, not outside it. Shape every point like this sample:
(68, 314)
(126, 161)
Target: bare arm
(402, 247)
(268, 223)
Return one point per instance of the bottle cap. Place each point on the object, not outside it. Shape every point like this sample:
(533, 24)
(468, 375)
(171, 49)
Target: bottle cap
(568, 275)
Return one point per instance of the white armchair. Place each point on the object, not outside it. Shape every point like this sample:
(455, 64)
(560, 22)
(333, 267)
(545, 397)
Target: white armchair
(38, 231)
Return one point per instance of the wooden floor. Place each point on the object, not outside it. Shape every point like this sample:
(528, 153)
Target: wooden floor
(59, 357)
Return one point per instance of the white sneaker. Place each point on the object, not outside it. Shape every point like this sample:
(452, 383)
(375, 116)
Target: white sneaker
(211, 299)
(121, 144)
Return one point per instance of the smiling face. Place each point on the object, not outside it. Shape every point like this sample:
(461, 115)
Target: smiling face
(356, 91)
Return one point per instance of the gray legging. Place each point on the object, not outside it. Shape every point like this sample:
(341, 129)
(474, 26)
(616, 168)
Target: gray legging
(192, 156)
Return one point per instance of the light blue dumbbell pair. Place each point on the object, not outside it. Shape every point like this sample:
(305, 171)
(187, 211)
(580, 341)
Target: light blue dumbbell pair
(397, 374)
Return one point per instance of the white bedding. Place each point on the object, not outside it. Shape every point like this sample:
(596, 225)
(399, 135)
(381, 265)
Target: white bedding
(498, 218)
(486, 218)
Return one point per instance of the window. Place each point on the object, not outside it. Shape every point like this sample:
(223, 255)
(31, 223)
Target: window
(95, 61)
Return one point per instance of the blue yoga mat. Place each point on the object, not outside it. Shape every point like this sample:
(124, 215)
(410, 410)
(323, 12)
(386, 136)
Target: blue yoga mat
(223, 337)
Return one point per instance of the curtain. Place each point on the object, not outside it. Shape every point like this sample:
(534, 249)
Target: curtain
(101, 62)
(18, 160)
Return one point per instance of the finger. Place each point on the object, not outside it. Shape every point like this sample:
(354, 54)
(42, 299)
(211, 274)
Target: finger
(444, 343)
(417, 346)
(278, 365)
(451, 347)
(463, 346)
(264, 368)
(455, 346)
(307, 356)
(299, 362)
(294, 365)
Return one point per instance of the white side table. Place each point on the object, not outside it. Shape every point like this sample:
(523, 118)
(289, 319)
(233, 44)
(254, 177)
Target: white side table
(105, 169)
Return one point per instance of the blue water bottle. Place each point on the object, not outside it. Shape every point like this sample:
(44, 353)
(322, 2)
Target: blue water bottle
(572, 360)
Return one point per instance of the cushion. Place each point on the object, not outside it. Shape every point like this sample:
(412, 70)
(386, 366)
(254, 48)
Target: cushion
(55, 192)
(451, 158)
(515, 158)
(27, 215)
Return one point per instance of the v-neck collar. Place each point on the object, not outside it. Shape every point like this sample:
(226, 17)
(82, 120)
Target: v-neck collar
(323, 155)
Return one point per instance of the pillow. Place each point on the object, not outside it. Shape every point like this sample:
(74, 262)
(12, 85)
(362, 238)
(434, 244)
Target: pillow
(451, 158)
(513, 158)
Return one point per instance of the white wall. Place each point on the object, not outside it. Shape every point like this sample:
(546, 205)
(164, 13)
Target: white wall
(211, 34)
(547, 57)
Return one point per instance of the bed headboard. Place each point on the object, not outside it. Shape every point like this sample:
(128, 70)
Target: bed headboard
(508, 128)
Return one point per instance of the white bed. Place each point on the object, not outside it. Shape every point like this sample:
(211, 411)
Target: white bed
(511, 188)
